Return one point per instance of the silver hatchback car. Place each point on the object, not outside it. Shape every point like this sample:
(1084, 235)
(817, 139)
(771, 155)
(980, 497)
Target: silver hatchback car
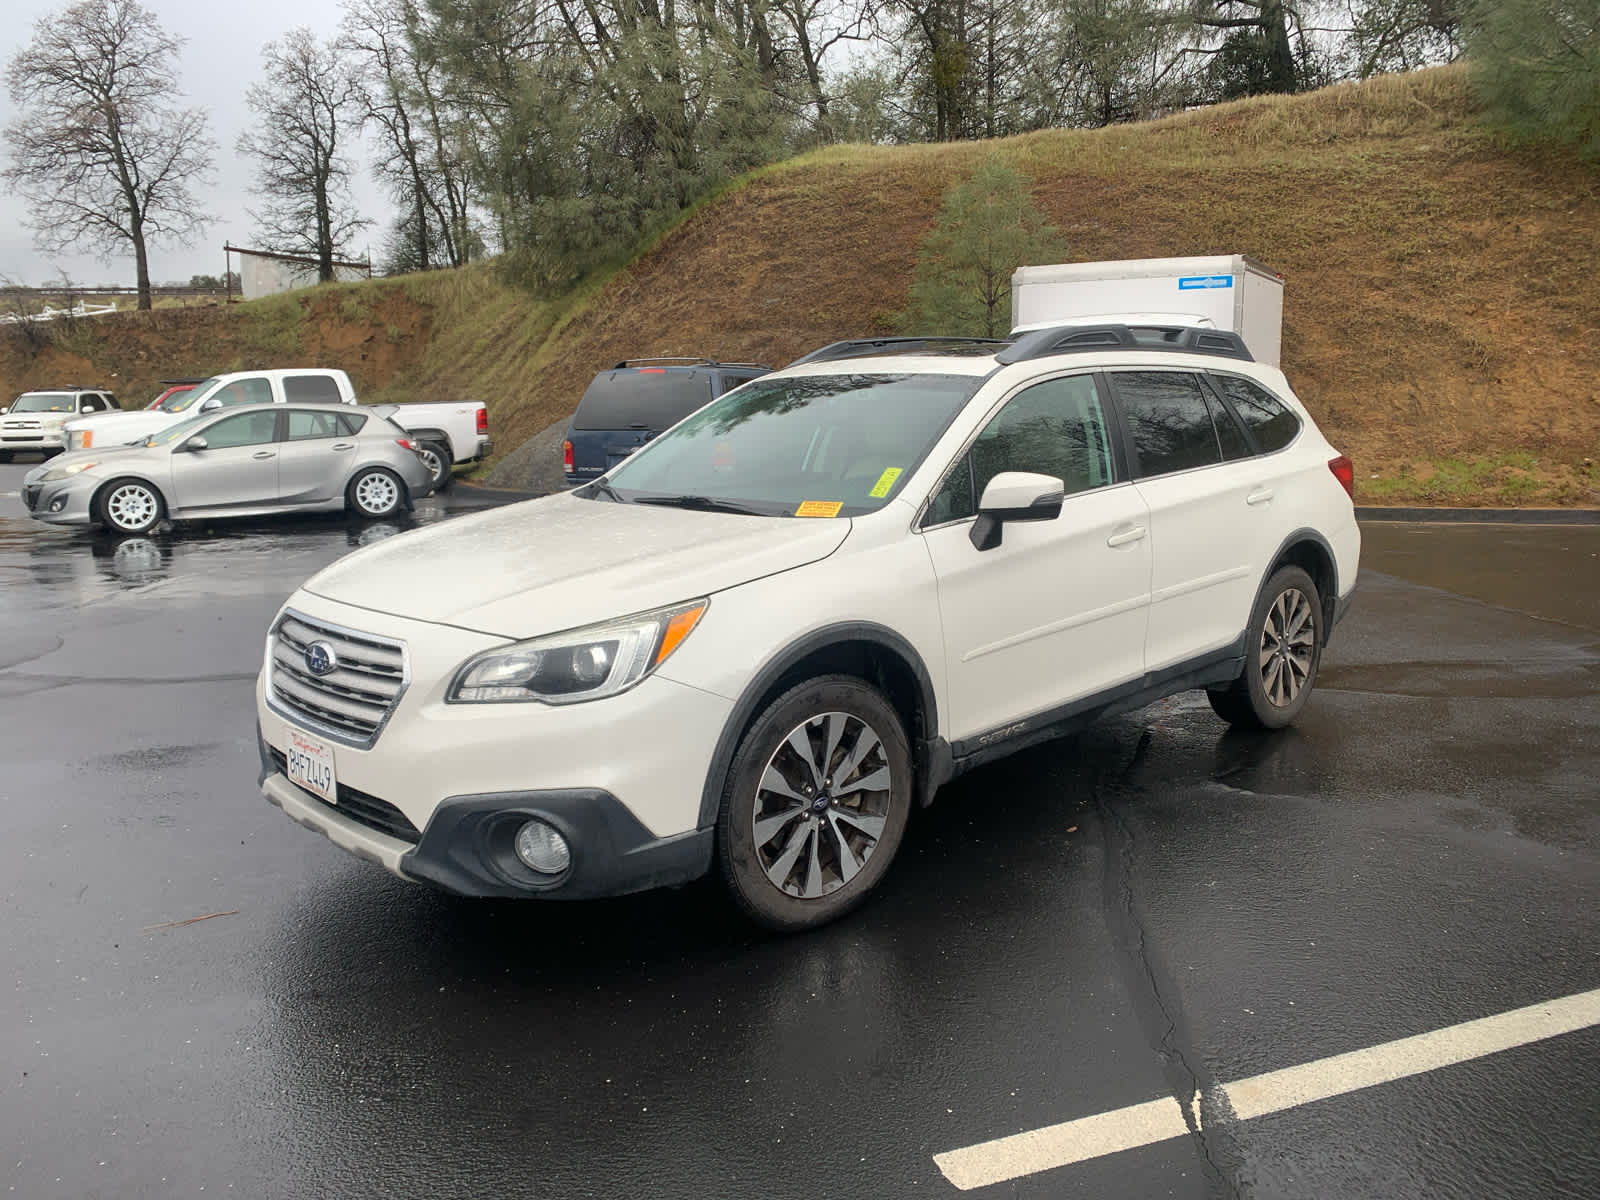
(243, 461)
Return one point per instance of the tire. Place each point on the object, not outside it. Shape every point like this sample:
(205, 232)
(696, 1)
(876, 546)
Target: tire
(1283, 651)
(437, 456)
(822, 853)
(130, 506)
(375, 492)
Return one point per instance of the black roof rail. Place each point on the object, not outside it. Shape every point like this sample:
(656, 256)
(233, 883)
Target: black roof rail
(867, 347)
(685, 361)
(1068, 339)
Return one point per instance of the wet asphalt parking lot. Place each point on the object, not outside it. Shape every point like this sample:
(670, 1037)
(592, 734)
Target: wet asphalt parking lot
(1120, 927)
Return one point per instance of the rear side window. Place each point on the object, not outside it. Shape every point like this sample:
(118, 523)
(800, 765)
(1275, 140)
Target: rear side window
(1169, 420)
(311, 389)
(732, 379)
(305, 425)
(647, 398)
(350, 424)
(1271, 421)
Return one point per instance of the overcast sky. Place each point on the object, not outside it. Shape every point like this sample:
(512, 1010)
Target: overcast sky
(221, 59)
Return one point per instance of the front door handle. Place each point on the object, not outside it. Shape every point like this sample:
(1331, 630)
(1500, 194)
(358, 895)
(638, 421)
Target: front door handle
(1124, 537)
(265, 454)
(1260, 496)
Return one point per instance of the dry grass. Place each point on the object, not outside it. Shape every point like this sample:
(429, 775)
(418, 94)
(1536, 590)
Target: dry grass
(1439, 303)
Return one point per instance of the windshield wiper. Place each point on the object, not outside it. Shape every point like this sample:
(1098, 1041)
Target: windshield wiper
(702, 504)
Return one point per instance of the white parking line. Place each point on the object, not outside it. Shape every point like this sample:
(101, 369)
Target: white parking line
(1159, 1120)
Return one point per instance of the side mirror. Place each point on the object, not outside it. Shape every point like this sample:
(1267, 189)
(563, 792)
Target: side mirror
(5, 410)
(197, 442)
(211, 405)
(1015, 496)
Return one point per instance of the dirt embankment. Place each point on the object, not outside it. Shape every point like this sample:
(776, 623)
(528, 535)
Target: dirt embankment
(1439, 299)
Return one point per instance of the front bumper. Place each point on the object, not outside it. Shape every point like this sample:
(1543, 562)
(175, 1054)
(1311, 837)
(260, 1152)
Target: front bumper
(22, 441)
(439, 794)
(466, 848)
(63, 502)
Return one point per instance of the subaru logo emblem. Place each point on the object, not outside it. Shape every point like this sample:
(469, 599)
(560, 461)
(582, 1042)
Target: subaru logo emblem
(320, 658)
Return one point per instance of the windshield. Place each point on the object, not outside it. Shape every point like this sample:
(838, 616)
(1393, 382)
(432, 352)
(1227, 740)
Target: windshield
(44, 402)
(175, 433)
(819, 445)
(183, 401)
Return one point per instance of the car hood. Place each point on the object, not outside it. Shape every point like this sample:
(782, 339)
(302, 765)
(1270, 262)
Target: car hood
(97, 455)
(561, 562)
(139, 420)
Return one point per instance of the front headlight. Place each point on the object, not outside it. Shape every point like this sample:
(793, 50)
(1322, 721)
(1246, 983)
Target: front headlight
(79, 439)
(581, 664)
(66, 472)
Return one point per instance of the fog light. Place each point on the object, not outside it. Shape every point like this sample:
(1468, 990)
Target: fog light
(58, 504)
(542, 849)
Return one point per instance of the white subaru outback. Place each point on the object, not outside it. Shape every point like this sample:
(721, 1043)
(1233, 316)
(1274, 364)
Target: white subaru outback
(764, 639)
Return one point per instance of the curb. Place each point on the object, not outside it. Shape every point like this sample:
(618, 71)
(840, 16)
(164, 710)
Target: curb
(1484, 516)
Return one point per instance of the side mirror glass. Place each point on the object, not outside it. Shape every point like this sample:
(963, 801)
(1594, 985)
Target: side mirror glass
(1015, 496)
(197, 442)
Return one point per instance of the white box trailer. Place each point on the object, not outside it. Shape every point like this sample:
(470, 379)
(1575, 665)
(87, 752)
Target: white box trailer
(1227, 291)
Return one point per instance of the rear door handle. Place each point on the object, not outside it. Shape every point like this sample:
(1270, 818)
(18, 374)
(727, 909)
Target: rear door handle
(265, 454)
(344, 446)
(1125, 537)
(1260, 496)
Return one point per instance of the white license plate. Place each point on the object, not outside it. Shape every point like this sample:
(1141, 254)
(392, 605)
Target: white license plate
(311, 766)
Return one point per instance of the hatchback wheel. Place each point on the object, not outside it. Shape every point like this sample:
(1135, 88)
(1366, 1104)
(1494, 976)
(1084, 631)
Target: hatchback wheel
(1283, 650)
(815, 803)
(376, 492)
(436, 457)
(130, 506)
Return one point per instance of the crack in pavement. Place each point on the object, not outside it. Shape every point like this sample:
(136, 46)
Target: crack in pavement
(1201, 1100)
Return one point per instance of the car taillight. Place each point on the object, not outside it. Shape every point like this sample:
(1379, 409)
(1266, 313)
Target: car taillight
(1345, 472)
(483, 420)
(406, 442)
(566, 457)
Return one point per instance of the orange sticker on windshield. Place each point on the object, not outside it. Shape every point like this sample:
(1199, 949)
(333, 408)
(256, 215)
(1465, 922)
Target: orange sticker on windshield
(819, 508)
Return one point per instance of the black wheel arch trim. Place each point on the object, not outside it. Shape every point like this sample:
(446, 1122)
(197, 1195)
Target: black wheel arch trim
(1336, 601)
(923, 741)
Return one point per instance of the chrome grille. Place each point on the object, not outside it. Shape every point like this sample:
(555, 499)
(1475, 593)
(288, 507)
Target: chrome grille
(352, 702)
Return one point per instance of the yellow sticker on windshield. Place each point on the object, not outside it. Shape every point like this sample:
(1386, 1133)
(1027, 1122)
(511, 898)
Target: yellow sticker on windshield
(819, 508)
(885, 482)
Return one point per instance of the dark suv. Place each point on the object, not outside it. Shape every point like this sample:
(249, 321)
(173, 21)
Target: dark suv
(627, 405)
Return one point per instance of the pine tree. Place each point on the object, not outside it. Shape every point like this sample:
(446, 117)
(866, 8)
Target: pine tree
(1536, 65)
(987, 227)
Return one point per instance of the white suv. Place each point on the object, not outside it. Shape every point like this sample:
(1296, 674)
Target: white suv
(766, 637)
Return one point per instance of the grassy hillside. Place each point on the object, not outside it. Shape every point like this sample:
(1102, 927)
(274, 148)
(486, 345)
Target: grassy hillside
(1440, 289)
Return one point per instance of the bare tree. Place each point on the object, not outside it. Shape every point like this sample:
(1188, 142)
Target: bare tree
(307, 102)
(103, 158)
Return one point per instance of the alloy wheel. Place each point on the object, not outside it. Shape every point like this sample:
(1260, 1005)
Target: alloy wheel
(1288, 643)
(377, 494)
(821, 805)
(132, 507)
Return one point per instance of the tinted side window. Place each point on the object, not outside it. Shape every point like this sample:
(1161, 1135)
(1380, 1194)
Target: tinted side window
(247, 429)
(1271, 421)
(1053, 428)
(1229, 436)
(89, 402)
(1169, 420)
(350, 423)
(243, 391)
(311, 389)
(304, 425)
(731, 380)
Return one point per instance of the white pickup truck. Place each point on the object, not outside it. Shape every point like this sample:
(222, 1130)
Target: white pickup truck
(446, 432)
